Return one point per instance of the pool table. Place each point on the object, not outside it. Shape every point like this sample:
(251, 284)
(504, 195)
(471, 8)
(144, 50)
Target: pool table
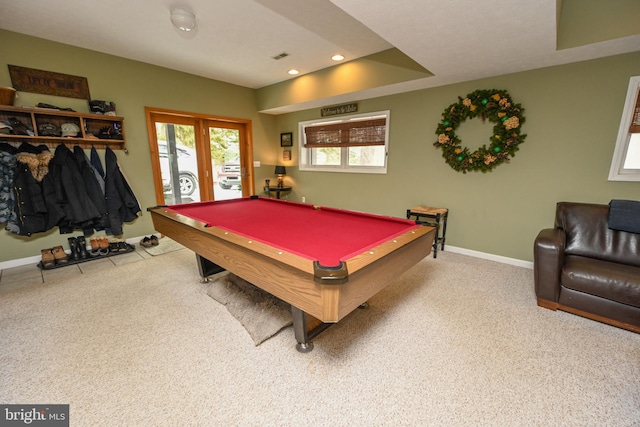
(324, 262)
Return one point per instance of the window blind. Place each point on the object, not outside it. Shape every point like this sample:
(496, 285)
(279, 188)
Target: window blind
(357, 133)
(635, 115)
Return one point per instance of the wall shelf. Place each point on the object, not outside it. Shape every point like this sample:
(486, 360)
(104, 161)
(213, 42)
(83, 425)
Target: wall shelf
(89, 124)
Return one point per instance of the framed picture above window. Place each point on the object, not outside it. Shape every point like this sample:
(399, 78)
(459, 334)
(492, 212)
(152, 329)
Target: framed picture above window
(286, 139)
(356, 143)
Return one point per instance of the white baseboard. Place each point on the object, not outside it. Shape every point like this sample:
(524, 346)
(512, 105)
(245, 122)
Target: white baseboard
(36, 259)
(490, 257)
(454, 249)
(20, 262)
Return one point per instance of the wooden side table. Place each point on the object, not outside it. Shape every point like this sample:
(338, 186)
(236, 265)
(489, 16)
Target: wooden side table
(433, 217)
(276, 190)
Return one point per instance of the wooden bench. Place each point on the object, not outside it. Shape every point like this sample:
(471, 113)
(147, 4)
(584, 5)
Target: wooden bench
(436, 217)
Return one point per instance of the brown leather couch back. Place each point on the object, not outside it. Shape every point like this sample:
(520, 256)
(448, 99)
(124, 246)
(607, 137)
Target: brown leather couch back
(588, 234)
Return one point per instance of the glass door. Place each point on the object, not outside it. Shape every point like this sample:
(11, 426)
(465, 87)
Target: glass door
(178, 162)
(224, 143)
(199, 158)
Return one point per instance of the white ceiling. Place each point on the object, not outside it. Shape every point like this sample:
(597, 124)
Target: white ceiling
(236, 40)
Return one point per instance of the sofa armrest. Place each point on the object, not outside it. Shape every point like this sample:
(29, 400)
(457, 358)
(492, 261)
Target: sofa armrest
(548, 259)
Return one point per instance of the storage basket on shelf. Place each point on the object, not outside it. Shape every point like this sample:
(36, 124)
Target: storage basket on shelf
(7, 95)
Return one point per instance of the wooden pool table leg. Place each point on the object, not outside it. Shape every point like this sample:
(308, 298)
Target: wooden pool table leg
(305, 328)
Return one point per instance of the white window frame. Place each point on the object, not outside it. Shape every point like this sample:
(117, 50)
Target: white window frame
(618, 171)
(305, 162)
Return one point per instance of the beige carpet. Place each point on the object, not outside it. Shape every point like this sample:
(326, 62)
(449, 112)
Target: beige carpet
(261, 314)
(455, 341)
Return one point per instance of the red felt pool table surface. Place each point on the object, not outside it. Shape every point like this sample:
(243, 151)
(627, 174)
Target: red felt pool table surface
(326, 235)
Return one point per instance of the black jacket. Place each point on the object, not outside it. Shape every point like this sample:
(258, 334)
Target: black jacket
(95, 191)
(31, 213)
(122, 204)
(71, 193)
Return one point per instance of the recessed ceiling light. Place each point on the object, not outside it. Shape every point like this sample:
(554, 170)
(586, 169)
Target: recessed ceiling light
(293, 72)
(337, 57)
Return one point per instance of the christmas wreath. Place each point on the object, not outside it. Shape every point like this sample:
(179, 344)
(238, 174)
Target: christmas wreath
(493, 105)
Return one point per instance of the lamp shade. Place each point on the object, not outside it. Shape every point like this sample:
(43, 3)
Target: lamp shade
(280, 170)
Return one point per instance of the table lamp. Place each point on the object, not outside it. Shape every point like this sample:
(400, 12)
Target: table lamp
(280, 171)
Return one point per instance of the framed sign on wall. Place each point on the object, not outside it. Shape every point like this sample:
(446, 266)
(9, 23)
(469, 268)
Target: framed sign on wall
(48, 83)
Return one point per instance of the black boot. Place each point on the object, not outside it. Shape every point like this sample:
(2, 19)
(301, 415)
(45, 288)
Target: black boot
(82, 247)
(73, 245)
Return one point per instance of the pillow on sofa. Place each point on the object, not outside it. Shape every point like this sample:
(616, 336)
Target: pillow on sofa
(624, 215)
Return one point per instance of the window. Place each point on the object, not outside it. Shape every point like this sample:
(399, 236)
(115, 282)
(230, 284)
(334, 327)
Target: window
(625, 165)
(357, 143)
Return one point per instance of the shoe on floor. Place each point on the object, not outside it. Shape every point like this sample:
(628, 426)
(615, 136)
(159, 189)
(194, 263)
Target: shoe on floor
(82, 247)
(98, 246)
(154, 240)
(117, 246)
(73, 245)
(146, 242)
(48, 261)
(95, 247)
(60, 255)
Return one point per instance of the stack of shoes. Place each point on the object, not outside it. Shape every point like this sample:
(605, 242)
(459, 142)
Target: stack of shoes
(54, 256)
(150, 241)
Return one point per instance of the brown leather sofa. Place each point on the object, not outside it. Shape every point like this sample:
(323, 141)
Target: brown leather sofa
(584, 267)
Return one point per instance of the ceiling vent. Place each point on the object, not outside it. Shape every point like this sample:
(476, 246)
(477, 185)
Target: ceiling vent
(282, 55)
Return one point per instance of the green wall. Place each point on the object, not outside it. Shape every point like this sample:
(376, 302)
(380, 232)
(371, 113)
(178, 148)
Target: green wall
(572, 118)
(572, 112)
(131, 85)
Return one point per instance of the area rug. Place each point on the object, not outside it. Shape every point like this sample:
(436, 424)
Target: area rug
(261, 314)
(164, 246)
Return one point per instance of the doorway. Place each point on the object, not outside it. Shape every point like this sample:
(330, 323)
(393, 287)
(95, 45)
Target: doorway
(199, 158)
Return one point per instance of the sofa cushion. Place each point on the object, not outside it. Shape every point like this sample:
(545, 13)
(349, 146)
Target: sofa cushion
(616, 282)
(624, 215)
(588, 234)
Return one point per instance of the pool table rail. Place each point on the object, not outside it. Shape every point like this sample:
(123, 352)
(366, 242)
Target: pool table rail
(376, 253)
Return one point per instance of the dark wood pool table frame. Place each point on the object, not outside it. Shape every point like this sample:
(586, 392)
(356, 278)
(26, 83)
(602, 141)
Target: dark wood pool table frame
(318, 297)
